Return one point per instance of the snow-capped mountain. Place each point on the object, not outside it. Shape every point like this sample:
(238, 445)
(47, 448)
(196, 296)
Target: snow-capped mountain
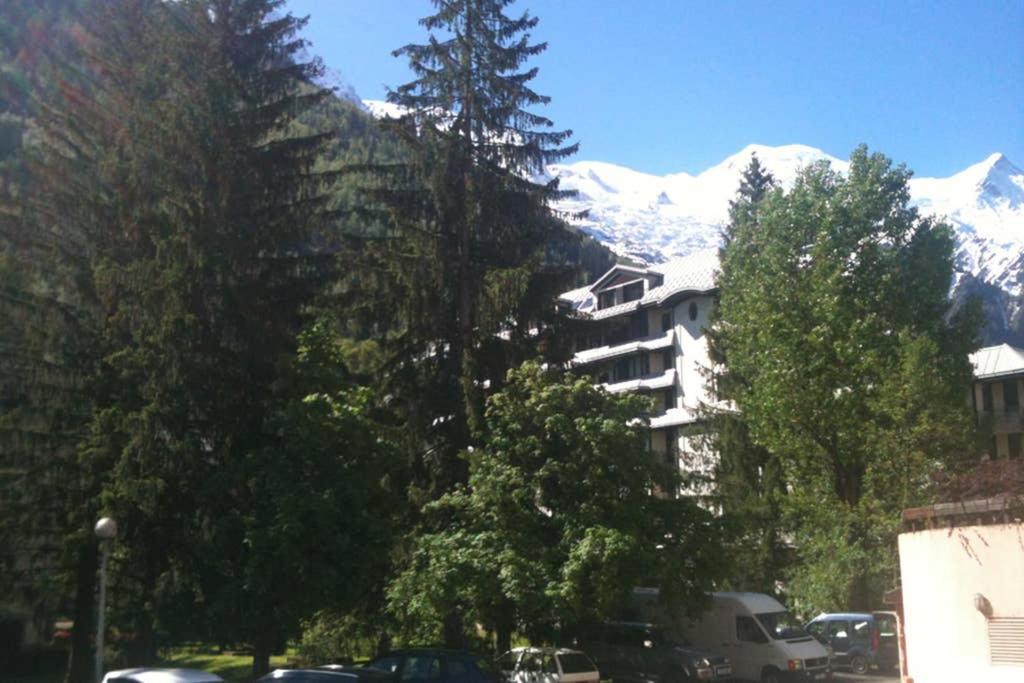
(651, 218)
(654, 218)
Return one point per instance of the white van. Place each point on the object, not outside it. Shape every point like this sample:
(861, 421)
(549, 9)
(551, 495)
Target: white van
(760, 638)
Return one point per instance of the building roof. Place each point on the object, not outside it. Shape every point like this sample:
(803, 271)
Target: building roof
(694, 273)
(1000, 509)
(997, 361)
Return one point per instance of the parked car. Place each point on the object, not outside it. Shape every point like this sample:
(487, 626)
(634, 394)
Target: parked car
(149, 675)
(634, 652)
(435, 665)
(858, 640)
(547, 665)
(763, 642)
(326, 674)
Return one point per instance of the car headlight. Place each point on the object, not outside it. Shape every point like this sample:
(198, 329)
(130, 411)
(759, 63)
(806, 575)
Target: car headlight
(796, 664)
(703, 663)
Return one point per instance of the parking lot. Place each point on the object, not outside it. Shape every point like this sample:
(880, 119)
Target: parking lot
(845, 677)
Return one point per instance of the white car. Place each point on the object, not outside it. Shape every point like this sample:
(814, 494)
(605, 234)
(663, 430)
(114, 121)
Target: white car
(547, 665)
(161, 676)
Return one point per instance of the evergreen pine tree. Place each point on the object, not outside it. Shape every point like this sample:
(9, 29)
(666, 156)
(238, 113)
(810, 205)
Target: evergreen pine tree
(471, 228)
(748, 479)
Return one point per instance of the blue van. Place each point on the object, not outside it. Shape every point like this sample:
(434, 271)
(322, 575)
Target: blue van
(858, 640)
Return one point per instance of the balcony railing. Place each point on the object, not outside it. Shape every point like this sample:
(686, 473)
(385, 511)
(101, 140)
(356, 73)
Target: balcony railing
(664, 380)
(1003, 420)
(662, 340)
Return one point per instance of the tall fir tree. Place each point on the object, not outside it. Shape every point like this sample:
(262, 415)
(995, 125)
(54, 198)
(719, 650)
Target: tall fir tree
(176, 213)
(467, 264)
(748, 479)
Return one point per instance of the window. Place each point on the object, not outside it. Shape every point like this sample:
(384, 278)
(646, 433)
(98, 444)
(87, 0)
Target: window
(1013, 444)
(421, 668)
(573, 663)
(861, 631)
(638, 325)
(631, 367)
(986, 397)
(838, 629)
(606, 299)
(386, 664)
(457, 670)
(780, 625)
(1011, 400)
(668, 359)
(670, 399)
(508, 661)
(666, 322)
(633, 291)
(748, 632)
(693, 310)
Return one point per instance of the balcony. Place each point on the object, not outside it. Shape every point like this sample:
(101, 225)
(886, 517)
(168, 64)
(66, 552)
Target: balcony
(1003, 421)
(665, 380)
(663, 340)
(674, 417)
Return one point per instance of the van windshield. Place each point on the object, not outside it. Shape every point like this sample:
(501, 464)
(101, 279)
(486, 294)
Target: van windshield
(780, 625)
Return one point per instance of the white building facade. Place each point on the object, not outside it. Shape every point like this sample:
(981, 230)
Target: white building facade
(643, 329)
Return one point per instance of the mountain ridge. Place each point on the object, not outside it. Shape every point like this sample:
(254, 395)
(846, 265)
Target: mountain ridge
(648, 218)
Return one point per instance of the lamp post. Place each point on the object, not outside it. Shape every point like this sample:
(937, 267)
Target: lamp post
(106, 530)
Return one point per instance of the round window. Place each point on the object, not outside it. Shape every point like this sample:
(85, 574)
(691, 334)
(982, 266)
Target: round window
(693, 310)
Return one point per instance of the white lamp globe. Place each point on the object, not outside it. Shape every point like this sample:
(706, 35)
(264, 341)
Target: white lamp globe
(106, 528)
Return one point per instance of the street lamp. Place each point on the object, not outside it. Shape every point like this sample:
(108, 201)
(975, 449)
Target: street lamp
(106, 530)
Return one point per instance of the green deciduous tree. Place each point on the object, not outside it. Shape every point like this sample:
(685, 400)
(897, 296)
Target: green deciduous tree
(558, 521)
(833, 312)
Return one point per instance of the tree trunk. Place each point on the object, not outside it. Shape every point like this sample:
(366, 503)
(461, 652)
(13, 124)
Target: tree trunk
(454, 635)
(261, 649)
(80, 660)
(503, 630)
(383, 644)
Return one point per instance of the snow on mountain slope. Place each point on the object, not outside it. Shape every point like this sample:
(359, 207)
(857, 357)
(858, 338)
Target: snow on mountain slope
(653, 218)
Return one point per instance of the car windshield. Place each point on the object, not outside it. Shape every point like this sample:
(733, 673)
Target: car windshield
(780, 625)
(575, 663)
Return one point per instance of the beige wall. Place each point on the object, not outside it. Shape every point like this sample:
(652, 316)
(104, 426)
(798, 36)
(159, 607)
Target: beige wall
(946, 637)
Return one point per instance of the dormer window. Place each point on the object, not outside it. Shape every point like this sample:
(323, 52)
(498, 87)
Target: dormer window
(634, 291)
(606, 299)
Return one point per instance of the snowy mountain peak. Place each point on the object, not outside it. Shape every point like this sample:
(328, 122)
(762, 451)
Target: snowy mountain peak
(651, 218)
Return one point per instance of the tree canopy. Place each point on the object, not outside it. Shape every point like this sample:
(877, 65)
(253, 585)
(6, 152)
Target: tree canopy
(559, 520)
(833, 312)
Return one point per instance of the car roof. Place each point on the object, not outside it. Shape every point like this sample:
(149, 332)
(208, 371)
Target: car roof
(547, 650)
(449, 652)
(327, 673)
(845, 615)
(633, 624)
(151, 675)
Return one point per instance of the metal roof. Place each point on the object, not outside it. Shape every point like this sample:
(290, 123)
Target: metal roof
(693, 273)
(997, 361)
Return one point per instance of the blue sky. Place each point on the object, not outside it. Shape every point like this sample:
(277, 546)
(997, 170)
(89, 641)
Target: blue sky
(665, 86)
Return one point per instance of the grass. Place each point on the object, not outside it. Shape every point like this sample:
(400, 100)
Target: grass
(230, 666)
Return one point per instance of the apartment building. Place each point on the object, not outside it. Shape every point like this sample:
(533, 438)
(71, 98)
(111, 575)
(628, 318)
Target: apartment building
(642, 329)
(996, 396)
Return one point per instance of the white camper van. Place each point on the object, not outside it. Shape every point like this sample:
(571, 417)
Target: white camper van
(760, 638)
